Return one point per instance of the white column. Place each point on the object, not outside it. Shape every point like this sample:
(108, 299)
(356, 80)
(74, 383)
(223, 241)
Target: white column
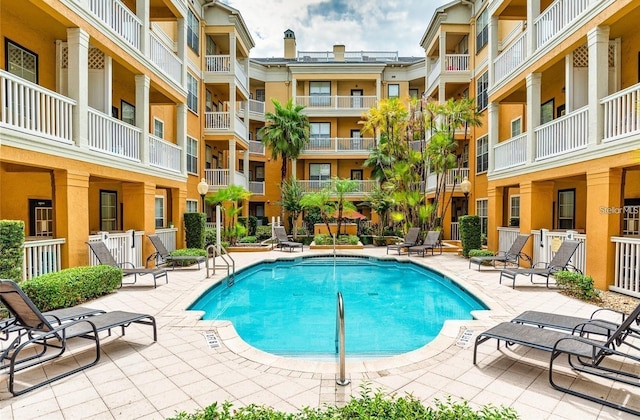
(181, 135)
(443, 51)
(232, 52)
(78, 83)
(533, 11)
(232, 161)
(492, 47)
(534, 86)
(294, 168)
(494, 132)
(232, 106)
(569, 83)
(143, 12)
(294, 88)
(442, 92)
(108, 83)
(598, 42)
(182, 49)
(142, 114)
(245, 165)
(379, 88)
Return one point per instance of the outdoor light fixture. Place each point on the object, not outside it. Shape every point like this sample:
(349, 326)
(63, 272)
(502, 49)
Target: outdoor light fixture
(465, 187)
(203, 187)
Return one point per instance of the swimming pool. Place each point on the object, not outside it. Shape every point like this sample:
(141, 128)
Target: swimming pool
(288, 307)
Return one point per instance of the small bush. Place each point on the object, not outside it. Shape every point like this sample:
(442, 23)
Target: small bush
(249, 240)
(367, 406)
(577, 285)
(194, 225)
(481, 253)
(470, 233)
(187, 252)
(263, 233)
(72, 286)
(11, 241)
(325, 239)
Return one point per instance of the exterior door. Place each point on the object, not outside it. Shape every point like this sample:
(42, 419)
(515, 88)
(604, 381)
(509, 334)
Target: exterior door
(356, 98)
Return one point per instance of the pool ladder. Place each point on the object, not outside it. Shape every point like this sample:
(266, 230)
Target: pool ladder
(229, 263)
(340, 344)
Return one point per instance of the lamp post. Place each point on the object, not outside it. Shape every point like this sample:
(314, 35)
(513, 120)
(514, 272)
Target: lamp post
(465, 187)
(203, 187)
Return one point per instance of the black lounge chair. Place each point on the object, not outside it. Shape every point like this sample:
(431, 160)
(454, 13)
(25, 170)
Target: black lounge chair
(163, 256)
(559, 262)
(50, 341)
(283, 240)
(411, 239)
(512, 256)
(55, 317)
(431, 242)
(105, 257)
(585, 356)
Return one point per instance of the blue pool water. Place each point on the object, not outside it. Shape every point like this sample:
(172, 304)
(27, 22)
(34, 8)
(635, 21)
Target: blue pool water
(288, 307)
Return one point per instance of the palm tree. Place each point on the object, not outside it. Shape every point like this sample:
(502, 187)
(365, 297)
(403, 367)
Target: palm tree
(233, 194)
(292, 193)
(286, 134)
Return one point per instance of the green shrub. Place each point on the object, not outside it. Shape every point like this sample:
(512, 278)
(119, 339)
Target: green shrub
(263, 233)
(194, 225)
(366, 239)
(470, 234)
(72, 286)
(367, 406)
(249, 240)
(481, 253)
(251, 224)
(577, 285)
(325, 239)
(11, 242)
(187, 252)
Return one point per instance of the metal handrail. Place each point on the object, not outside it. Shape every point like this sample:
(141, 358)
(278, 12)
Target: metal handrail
(212, 251)
(340, 344)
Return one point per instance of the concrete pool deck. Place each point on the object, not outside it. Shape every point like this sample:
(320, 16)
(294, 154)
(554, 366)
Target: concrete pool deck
(137, 378)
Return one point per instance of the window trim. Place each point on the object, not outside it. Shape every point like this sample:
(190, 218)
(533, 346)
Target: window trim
(192, 202)
(155, 216)
(196, 156)
(482, 96)
(573, 209)
(155, 133)
(478, 169)
(191, 33)
(484, 228)
(519, 119)
(483, 31)
(126, 106)
(115, 194)
(192, 96)
(511, 207)
(397, 85)
(8, 41)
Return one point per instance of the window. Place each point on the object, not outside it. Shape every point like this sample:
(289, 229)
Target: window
(482, 30)
(321, 173)
(546, 111)
(40, 217)
(514, 211)
(210, 48)
(631, 221)
(260, 95)
(566, 208)
(192, 155)
(482, 154)
(193, 32)
(108, 210)
(192, 206)
(413, 93)
(516, 127)
(319, 135)
(192, 93)
(482, 89)
(20, 61)
(393, 91)
(128, 113)
(158, 128)
(482, 211)
(320, 93)
(159, 211)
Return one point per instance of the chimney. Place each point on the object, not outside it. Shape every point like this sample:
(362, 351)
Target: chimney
(338, 52)
(290, 44)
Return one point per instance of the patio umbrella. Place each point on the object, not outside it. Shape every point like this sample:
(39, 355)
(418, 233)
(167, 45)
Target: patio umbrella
(349, 214)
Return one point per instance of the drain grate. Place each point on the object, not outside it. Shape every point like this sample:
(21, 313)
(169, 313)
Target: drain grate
(212, 339)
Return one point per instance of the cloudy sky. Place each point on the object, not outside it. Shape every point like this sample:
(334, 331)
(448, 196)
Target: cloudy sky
(369, 25)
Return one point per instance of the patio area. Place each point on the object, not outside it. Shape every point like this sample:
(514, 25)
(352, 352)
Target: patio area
(137, 378)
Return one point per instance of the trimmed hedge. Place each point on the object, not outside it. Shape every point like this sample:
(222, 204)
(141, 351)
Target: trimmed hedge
(11, 242)
(72, 286)
(470, 233)
(577, 285)
(194, 224)
(325, 239)
(187, 252)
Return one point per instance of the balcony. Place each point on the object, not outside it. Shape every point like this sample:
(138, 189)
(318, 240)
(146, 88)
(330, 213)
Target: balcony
(119, 18)
(557, 17)
(256, 187)
(339, 145)
(453, 177)
(363, 187)
(220, 65)
(336, 105)
(112, 136)
(511, 58)
(256, 147)
(221, 178)
(164, 57)
(511, 153)
(621, 114)
(220, 122)
(562, 135)
(164, 154)
(256, 110)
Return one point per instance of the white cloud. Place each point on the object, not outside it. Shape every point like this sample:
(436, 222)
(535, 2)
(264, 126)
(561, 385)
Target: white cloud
(368, 25)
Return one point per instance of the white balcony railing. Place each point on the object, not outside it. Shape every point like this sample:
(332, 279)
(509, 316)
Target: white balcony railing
(256, 147)
(556, 17)
(543, 249)
(336, 102)
(455, 176)
(510, 153)
(119, 18)
(240, 128)
(317, 186)
(217, 120)
(168, 238)
(348, 144)
(434, 73)
(28, 107)
(163, 57)
(41, 257)
(256, 187)
(506, 237)
(125, 247)
(511, 57)
(627, 266)
(621, 113)
(110, 135)
(217, 178)
(241, 75)
(164, 154)
(239, 178)
(256, 107)
(456, 62)
(562, 135)
(218, 63)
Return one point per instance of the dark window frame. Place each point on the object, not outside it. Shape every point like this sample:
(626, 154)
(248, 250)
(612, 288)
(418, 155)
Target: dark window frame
(573, 210)
(8, 41)
(115, 194)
